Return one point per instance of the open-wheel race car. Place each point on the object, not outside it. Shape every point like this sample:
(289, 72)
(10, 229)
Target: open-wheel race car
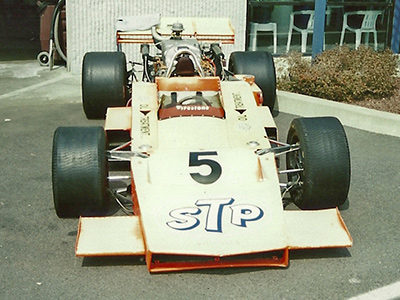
(191, 154)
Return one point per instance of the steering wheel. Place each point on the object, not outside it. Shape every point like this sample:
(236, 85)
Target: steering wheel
(194, 100)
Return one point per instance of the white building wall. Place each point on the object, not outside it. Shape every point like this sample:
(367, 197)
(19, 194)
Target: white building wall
(91, 23)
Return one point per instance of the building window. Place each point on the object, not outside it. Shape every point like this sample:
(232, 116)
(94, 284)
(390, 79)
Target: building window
(279, 12)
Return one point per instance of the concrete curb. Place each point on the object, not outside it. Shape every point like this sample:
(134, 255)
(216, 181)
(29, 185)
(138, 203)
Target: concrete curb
(350, 115)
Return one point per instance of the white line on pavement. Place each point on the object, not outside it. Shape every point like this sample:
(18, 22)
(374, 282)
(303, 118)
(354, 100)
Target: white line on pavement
(388, 292)
(32, 87)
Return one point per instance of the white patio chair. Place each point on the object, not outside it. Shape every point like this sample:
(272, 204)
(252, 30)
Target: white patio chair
(304, 31)
(368, 26)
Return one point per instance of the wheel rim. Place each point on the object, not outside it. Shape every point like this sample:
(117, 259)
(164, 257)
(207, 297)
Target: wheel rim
(44, 59)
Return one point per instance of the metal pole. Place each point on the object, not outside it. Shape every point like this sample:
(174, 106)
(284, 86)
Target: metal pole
(395, 42)
(319, 27)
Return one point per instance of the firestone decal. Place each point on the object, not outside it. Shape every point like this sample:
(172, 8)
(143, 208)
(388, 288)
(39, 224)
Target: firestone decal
(191, 107)
(186, 218)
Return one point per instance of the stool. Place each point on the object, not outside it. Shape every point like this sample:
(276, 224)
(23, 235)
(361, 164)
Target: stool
(256, 27)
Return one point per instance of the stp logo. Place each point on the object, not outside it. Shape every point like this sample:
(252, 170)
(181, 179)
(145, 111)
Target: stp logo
(187, 218)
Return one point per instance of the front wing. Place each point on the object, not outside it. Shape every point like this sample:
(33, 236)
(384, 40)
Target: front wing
(112, 236)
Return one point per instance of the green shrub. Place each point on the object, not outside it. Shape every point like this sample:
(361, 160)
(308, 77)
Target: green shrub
(342, 74)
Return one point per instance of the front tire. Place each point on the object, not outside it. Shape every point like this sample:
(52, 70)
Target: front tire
(79, 172)
(325, 159)
(261, 65)
(104, 82)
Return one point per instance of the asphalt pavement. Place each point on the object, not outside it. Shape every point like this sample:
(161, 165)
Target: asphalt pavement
(37, 258)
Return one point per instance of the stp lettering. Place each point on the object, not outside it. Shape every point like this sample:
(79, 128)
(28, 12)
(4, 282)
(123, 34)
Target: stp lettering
(187, 218)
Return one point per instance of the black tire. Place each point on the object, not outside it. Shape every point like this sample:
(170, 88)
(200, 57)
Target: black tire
(261, 65)
(104, 82)
(79, 172)
(325, 158)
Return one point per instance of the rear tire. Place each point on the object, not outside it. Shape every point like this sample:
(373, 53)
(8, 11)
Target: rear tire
(104, 82)
(79, 172)
(325, 158)
(261, 65)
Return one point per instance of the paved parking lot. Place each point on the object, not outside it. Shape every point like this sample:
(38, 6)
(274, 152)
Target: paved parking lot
(37, 249)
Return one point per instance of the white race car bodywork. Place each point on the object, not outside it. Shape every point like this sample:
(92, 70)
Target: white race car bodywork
(203, 198)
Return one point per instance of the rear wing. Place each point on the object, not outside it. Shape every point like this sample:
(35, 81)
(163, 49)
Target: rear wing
(211, 30)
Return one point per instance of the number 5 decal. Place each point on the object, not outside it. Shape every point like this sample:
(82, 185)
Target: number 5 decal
(195, 160)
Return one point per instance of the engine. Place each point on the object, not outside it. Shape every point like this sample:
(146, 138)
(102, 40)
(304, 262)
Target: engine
(181, 56)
